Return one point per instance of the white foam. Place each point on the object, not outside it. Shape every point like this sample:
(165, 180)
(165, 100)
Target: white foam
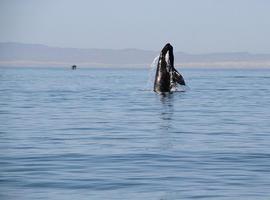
(151, 74)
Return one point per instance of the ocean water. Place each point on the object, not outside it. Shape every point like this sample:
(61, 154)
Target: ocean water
(103, 134)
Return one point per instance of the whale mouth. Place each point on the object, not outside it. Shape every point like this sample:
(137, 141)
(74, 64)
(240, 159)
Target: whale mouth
(167, 60)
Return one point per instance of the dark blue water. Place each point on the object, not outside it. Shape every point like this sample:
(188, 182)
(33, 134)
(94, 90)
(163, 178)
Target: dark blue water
(102, 134)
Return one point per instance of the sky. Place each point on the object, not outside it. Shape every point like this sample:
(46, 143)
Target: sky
(192, 26)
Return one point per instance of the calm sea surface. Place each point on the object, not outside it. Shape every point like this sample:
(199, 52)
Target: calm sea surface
(103, 134)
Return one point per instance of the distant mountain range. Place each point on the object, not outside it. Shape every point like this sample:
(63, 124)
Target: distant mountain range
(37, 55)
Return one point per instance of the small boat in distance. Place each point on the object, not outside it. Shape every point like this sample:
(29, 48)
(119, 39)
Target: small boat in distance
(74, 67)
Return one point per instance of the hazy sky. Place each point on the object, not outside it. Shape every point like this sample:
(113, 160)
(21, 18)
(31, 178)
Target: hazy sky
(194, 26)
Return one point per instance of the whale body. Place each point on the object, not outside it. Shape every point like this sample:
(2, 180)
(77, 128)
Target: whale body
(167, 77)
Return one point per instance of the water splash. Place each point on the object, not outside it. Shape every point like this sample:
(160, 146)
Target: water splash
(179, 88)
(151, 74)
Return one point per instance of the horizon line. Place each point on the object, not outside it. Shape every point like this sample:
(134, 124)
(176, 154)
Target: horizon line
(132, 48)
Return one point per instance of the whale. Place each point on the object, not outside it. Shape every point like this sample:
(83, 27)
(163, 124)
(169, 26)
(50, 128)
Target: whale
(167, 77)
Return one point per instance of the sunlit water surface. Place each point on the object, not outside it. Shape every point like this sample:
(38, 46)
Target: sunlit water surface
(103, 134)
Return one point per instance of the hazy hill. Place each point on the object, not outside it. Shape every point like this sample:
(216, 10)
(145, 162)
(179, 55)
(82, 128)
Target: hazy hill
(18, 54)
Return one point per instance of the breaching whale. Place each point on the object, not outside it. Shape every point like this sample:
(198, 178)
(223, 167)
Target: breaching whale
(167, 76)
